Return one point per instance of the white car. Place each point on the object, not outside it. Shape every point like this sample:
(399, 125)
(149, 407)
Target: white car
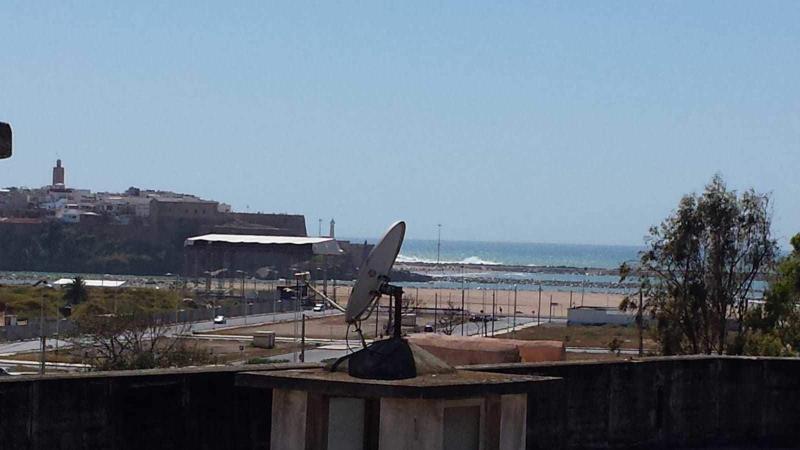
(319, 307)
(219, 320)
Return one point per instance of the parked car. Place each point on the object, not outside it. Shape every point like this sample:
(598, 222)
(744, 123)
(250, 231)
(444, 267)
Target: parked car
(220, 320)
(319, 307)
(428, 328)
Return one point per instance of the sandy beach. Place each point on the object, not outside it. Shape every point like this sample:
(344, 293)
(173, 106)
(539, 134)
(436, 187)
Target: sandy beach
(476, 300)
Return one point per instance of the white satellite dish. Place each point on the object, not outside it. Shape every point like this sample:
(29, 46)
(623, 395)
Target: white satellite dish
(374, 273)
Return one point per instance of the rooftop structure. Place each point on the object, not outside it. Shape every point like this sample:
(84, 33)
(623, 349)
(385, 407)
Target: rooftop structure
(91, 283)
(320, 245)
(249, 253)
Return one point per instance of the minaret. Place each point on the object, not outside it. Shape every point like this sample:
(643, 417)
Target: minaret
(332, 235)
(58, 174)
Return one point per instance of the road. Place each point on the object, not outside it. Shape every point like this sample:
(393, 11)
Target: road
(8, 349)
(242, 321)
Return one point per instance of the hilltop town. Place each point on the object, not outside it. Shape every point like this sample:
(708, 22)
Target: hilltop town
(59, 228)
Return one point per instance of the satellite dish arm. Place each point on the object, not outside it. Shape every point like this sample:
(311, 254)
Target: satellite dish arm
(326, 298)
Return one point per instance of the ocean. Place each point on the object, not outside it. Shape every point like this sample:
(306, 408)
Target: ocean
(517, 253)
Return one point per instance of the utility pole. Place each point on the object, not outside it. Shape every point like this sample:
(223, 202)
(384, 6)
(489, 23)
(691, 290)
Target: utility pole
(583, 284)
(539, 309)
(43, 343)
(514, 323)
(296, 312)
(303, 339)
(639, 323)
(435, 310)
(44, 338)
(494, 303)
(462, 300)
(439, 244)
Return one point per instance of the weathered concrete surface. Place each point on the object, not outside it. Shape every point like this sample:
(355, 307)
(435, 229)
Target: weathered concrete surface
(289, 411)
(665, 403)
(158, 409)
(651, 403)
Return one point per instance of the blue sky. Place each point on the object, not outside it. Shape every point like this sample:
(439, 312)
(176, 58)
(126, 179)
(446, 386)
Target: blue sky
(574, 122)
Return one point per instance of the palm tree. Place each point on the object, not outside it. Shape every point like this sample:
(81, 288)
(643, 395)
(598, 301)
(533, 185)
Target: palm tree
(76, 292)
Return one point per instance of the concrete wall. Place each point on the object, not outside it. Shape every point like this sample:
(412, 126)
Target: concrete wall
(161, 409)
(665, 403)
(652, 403)
(599, 316)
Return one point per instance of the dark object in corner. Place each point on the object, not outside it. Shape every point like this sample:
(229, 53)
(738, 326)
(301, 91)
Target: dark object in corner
(5, 140)
(389, 359)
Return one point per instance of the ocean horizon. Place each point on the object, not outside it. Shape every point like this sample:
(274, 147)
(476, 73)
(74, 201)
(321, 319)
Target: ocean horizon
(515, 253)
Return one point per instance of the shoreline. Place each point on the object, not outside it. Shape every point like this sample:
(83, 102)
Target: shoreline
(456, 268)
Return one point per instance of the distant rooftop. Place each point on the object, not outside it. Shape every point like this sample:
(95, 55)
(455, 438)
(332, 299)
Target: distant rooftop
(91, 283)
(321, 245)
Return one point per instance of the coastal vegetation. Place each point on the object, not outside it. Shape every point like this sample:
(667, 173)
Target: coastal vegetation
(26, 301)
(698, 271)
(775, 325)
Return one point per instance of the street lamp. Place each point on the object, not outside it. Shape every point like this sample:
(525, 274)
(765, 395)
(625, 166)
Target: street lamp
(42, 336)
(244, 297)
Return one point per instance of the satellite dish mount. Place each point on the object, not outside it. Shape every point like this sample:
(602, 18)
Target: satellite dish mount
(395, 292)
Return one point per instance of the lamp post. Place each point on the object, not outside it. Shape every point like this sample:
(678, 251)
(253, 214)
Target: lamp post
(42, 336)
(539, 309)
(462, 300)
(244, 297)
(514, 323)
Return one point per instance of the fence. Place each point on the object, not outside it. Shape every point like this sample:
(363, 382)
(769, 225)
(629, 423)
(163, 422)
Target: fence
(64, 327)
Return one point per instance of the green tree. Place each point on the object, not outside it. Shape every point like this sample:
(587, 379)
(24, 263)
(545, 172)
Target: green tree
(76, 292)
(700, 265)
(775, 326)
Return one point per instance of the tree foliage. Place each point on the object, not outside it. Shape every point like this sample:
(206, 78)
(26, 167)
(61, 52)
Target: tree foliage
(449, 319)
(775, 325)
(120, 334)
(700, 265)
(76, 292)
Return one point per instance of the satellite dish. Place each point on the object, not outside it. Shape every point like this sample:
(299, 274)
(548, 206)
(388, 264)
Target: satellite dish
(374, 273)
(393, 358)
(5, 140)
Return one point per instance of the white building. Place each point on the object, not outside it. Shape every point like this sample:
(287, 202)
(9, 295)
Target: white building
(599, 315)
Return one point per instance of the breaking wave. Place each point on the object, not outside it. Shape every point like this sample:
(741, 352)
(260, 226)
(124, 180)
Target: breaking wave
(470, 260)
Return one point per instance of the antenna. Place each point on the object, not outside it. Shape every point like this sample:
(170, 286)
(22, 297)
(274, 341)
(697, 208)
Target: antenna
(5, 140)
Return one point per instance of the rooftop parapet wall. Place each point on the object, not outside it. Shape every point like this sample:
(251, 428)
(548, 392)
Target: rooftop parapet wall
(696, 401)
(650, 403)
(196, 408)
